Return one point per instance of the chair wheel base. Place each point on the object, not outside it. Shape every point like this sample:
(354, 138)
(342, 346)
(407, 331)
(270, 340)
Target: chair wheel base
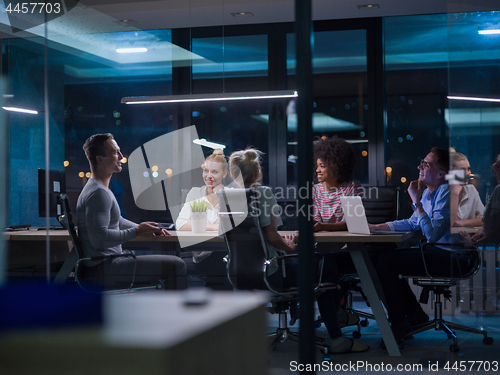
(488, 341)
(356, 334)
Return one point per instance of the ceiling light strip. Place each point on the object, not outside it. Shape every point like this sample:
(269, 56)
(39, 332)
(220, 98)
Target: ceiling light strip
(22, 110)
(489, 32)
(209, 97)
(474, 99)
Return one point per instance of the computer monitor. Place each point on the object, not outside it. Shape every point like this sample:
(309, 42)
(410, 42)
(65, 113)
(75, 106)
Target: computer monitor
(57, 185)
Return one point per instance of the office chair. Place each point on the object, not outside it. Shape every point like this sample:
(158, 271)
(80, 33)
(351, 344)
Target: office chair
(76, 255)
(248, 261)
(381, 204)
(440, 285)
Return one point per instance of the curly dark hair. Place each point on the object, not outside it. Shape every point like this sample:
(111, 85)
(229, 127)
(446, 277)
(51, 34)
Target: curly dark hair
(338, 155)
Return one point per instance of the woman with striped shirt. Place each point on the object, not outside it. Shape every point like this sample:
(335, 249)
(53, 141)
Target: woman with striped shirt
(335, 163)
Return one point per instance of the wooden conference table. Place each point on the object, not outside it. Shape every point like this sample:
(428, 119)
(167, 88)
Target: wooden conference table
(359, 256)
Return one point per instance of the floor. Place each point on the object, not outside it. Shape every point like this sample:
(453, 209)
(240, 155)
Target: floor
(427, 353)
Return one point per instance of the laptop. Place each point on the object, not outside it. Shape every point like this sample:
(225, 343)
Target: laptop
(355, 216)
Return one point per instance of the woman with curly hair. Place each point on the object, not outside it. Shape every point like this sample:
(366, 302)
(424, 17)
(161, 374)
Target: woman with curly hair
(335, 163)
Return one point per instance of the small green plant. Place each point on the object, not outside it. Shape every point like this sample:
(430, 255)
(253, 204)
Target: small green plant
(199, 206)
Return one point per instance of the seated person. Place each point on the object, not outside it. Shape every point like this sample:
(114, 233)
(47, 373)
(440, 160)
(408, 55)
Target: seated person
(465, 205)
(245, 169)
(335, 161)
(206, 263)
(431, 201)
(491, 219)
(102, 230)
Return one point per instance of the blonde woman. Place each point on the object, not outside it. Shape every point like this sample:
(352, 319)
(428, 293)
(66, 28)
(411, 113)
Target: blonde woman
(245, 169)
(214, 172)
(465, 205)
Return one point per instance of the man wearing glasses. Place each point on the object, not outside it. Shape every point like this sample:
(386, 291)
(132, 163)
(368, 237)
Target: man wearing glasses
(431, 205)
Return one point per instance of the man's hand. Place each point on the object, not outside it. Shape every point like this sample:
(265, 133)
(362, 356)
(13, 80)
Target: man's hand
(415, 190)
(150, 229)
(376, 227)
(290, 241)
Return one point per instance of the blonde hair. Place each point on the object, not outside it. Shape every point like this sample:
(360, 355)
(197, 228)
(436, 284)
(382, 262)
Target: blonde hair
(217, 157)
(456, 157)
(247, 164)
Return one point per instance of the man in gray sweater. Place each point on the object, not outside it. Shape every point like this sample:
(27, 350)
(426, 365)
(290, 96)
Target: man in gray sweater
(102, 230)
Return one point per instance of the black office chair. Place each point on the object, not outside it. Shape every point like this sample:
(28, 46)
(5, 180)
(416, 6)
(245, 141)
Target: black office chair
(440, 285)
(248, 261)
(72, 264)
(381, 204)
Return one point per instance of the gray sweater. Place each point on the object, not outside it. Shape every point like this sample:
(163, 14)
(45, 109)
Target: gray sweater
(101, 228)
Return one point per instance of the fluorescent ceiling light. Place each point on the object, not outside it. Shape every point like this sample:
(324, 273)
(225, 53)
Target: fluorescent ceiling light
(204, 142)
(356, 140)
(474, 99)
(209, 97)
(22, 110)
(131, 50)
(488, 32)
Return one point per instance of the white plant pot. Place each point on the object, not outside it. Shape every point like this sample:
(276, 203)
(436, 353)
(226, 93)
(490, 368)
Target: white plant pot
(199, 222)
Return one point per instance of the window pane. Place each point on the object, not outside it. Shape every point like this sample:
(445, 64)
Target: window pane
(340, 94)
(416, 54)
(230, 64)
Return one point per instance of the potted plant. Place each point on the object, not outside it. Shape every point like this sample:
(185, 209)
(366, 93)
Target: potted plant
(199, 216)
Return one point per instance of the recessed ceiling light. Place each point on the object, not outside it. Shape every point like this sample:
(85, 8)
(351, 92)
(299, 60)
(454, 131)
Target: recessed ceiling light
(368, 6)
(131, 50)
(242, 14)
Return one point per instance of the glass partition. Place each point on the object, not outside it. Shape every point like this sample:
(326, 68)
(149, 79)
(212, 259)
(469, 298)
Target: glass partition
(472, 119)
(416, 81)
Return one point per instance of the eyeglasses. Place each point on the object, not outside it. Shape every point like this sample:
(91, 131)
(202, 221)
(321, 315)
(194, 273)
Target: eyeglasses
(426, 165)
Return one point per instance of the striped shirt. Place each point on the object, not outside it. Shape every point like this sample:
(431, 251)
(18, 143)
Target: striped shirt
(326, 204)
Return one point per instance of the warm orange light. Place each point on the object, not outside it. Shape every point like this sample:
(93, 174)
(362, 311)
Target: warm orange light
(81, 175)
(403, 179)
(124, 160)
(388, 169)
(88, 174)
(66, 163)
(364, 152)
(154, 168)
(168, 172)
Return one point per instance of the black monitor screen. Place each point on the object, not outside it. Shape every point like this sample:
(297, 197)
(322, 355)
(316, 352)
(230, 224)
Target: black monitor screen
(57, 185)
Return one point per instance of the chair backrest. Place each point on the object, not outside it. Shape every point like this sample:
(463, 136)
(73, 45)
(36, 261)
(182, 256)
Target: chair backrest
(239, 220)
(381, 203)
(66, 219)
